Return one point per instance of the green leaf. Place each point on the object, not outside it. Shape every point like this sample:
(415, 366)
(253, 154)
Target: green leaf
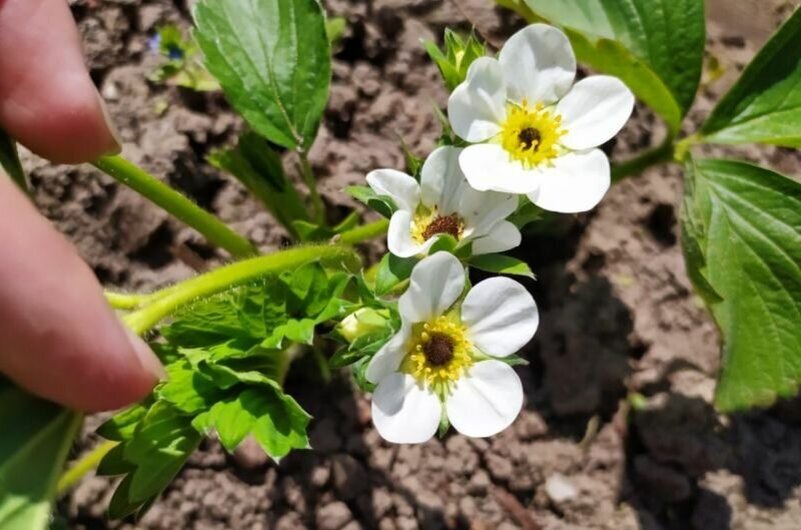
(9, 161)
(114, 463)
(527, 213)
(445, 242)
(501, 264)
(276, 421)
(391, 271)
(163, 441)
(309, 231)
(36, 438)
(235, 314)
(188, 390)
(655, 46)
(259, 168)
(273, 61)
(121, 426)
(764, 105)
(381, 204)
(742, 230)
(456, 56)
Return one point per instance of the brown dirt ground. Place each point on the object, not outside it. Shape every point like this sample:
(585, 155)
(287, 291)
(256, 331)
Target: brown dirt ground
(618, 314)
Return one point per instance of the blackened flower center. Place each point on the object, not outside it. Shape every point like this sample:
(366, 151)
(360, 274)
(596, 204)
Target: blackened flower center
(438, 349)
(529, 137)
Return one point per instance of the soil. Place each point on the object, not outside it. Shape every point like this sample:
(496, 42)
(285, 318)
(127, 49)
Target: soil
(618, 315)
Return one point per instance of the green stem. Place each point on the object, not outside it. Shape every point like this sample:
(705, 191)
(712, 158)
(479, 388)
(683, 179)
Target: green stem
(171, 299)
(640, 163)
(178, 205)
(311, 183)
(683, 146)
(125, 301)
(364, 232)
(83, 466)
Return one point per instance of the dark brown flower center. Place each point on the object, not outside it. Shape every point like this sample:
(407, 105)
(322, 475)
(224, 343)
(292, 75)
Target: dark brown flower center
(529, 136)
(438, 349)
(448, 224)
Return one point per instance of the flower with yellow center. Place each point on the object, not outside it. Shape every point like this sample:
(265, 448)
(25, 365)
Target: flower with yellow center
(531, 134)
(443, 203)
(446, 357)
(534, 131)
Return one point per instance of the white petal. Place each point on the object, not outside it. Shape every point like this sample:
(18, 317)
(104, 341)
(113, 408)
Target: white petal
(402, 188)
(576, 183)
(500, 315)
(486, 400)
(538, 64)
(399, 236)
(441, 180)
(594, 110)
(489, 167)
(435, 284)
(403, 411)
(503, 236)
(389, 357)
(477, 107)
(482, 210)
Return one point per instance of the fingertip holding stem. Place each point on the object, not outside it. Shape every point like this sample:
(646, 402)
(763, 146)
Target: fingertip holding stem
(147, 358)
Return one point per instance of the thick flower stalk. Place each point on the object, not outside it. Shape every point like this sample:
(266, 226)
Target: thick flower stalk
(444, 203)
(535, 132)
(445, 360)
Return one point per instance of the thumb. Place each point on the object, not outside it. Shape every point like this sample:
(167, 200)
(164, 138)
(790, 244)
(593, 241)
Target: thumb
(58, 337)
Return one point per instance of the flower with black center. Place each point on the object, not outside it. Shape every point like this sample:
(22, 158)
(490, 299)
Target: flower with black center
(443, 203)
(446, 357)
(534, 131)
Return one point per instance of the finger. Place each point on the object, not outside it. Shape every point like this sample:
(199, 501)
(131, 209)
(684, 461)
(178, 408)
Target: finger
(58, 337)
(47, 99)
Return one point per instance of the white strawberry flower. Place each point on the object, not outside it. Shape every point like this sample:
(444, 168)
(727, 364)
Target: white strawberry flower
(443, 203)
(535, 132)
(445, 358)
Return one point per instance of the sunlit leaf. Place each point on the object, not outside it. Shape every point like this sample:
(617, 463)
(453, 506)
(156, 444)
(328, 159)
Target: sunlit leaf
(741, 228)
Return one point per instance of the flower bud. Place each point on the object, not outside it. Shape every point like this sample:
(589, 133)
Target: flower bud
(361, 322)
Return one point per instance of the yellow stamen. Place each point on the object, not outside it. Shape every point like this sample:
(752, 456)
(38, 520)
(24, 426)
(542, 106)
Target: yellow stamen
(531, 134)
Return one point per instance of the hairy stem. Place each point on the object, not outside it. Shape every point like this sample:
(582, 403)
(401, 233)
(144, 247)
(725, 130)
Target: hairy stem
(83, 466)
(308, 177)
(126, 301)
(364, 232)
(641, 162)
(177, 204)
(171, 299)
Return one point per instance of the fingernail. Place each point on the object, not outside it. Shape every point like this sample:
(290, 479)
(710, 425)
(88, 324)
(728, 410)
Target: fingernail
(115, 134)
(147, 358)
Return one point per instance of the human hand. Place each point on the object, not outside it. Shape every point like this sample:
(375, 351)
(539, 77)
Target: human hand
(58, 339)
